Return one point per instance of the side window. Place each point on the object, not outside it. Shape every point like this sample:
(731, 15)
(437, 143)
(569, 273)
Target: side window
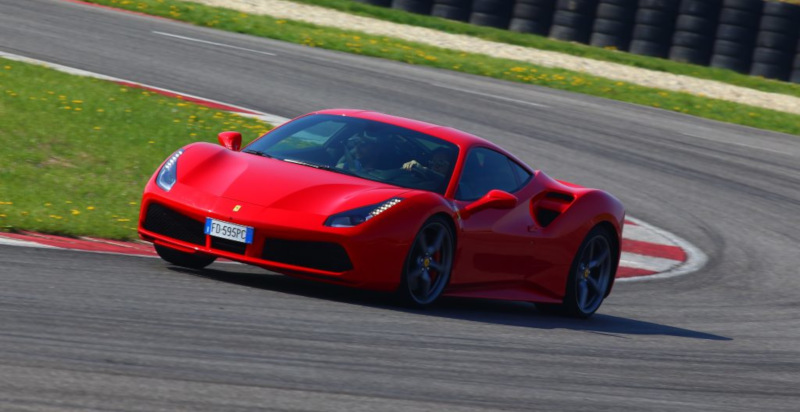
(485, 170)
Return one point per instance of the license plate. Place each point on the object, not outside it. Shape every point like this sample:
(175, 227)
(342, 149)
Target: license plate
(230, 231)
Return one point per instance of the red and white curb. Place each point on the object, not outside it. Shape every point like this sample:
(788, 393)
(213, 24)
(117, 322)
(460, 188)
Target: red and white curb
(647, 252)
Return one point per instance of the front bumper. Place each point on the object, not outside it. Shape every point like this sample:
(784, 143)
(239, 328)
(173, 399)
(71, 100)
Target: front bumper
(369, 256)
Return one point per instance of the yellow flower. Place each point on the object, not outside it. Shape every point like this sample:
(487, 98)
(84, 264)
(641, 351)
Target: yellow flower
(89, 207)
(77, 101)
(48, 204)
(123, 220)
(75, 212)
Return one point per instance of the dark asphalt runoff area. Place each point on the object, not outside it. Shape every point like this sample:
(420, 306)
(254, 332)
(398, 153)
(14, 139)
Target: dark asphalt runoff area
(82, 331)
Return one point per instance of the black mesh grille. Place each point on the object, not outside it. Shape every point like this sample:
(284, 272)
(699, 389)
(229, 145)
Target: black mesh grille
(168, 222)
(316, 255)
(228, 245)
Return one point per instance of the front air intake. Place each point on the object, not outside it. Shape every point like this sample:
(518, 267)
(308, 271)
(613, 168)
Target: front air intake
(326, 256)
(167, 222)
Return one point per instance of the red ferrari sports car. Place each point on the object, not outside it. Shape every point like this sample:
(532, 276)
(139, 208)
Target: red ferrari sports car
(373, 201)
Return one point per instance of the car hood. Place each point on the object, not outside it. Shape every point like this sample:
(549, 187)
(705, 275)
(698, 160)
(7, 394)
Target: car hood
(273, 183)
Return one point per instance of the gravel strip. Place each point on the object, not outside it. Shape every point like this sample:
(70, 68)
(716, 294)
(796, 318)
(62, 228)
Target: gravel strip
(643, 77)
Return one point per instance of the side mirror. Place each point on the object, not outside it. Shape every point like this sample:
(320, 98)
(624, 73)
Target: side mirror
(231, 140)
(495, 199)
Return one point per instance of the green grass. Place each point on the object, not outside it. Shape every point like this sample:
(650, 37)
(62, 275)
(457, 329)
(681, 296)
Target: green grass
(544, 43)
(78, 151)
(414, 53)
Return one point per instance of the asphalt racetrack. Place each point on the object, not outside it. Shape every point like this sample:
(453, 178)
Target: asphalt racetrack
(82, 331)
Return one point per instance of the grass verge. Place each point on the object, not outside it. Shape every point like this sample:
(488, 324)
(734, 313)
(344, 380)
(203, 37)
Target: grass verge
(414, 53)
(77, 151)
(544, 43)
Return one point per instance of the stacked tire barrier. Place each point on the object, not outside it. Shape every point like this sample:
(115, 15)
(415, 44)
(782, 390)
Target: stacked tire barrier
(613, 24)
(491, 13)
(695, 31)
(452, 9)
(736, 32)
(572, 20)
(776, 41)
(532, 16)
(759, 37)
(654, 25)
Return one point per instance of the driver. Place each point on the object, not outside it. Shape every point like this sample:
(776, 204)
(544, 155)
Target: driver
(364, 156)
(438, 164)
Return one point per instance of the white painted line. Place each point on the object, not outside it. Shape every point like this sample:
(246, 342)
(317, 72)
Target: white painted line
(161, 33)
(643, 234)
(656, 264)
(489, 95)
(270, 118)
(14, 242)
(695, 258)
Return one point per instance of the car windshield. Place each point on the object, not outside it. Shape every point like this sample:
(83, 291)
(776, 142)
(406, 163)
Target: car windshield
(364, 148)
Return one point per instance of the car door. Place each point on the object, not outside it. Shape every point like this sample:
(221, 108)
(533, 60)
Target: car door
(494, 244)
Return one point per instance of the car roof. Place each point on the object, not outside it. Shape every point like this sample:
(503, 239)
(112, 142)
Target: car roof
(460, 138)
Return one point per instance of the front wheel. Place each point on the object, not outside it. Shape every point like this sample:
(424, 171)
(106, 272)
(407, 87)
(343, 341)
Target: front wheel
(428, 264)
(590, 276)
(188, 260)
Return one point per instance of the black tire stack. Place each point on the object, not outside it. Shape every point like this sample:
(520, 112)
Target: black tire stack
(413, 6)
(532, 16)
(613, 24)
(736, 34)
(491, 13)
(776, 41)
(572, 20)
(695, 29)
(796, 72)
(452, 9)
(654, 27)
(382, 3)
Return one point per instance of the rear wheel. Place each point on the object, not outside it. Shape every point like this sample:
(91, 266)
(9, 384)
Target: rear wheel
(188, 260)
(428, 264)
(589, 278)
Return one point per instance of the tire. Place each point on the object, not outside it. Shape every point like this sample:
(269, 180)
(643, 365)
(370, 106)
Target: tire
(492, 7)
(382, 3)
(658, 18)
(772, 56)
(732, 49)
(795, 78)
(572, 19)
(450, 12)
(421, 282)
(699, 8)
(187, 260)
(770, 71)
(692, 24)
(529, 26)
(652, 34)
(670, 5)
(490, 20)
(736, 64)
(777, 41)
(614, 27)
(614, 12)
(578, 6)
(748, 5)
(413, 6)
(590, 276)
(530, 12)
(689, 55)
(739, 18)
(736, 34)
(610, 40)
(777, 24)
(789, 11)
(692, 40)
(569, 33)
(648, 48)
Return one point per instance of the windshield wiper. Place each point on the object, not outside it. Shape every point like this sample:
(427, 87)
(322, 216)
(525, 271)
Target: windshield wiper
(258, 153)
(309, 164)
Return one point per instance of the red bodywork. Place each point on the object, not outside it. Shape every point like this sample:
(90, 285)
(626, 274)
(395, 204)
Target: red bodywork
(519, 253)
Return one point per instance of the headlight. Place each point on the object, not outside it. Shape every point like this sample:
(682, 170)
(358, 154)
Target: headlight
(169, 172)
(355, 217)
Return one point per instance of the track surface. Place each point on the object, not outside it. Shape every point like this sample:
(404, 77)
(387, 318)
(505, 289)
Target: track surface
(88, 331)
